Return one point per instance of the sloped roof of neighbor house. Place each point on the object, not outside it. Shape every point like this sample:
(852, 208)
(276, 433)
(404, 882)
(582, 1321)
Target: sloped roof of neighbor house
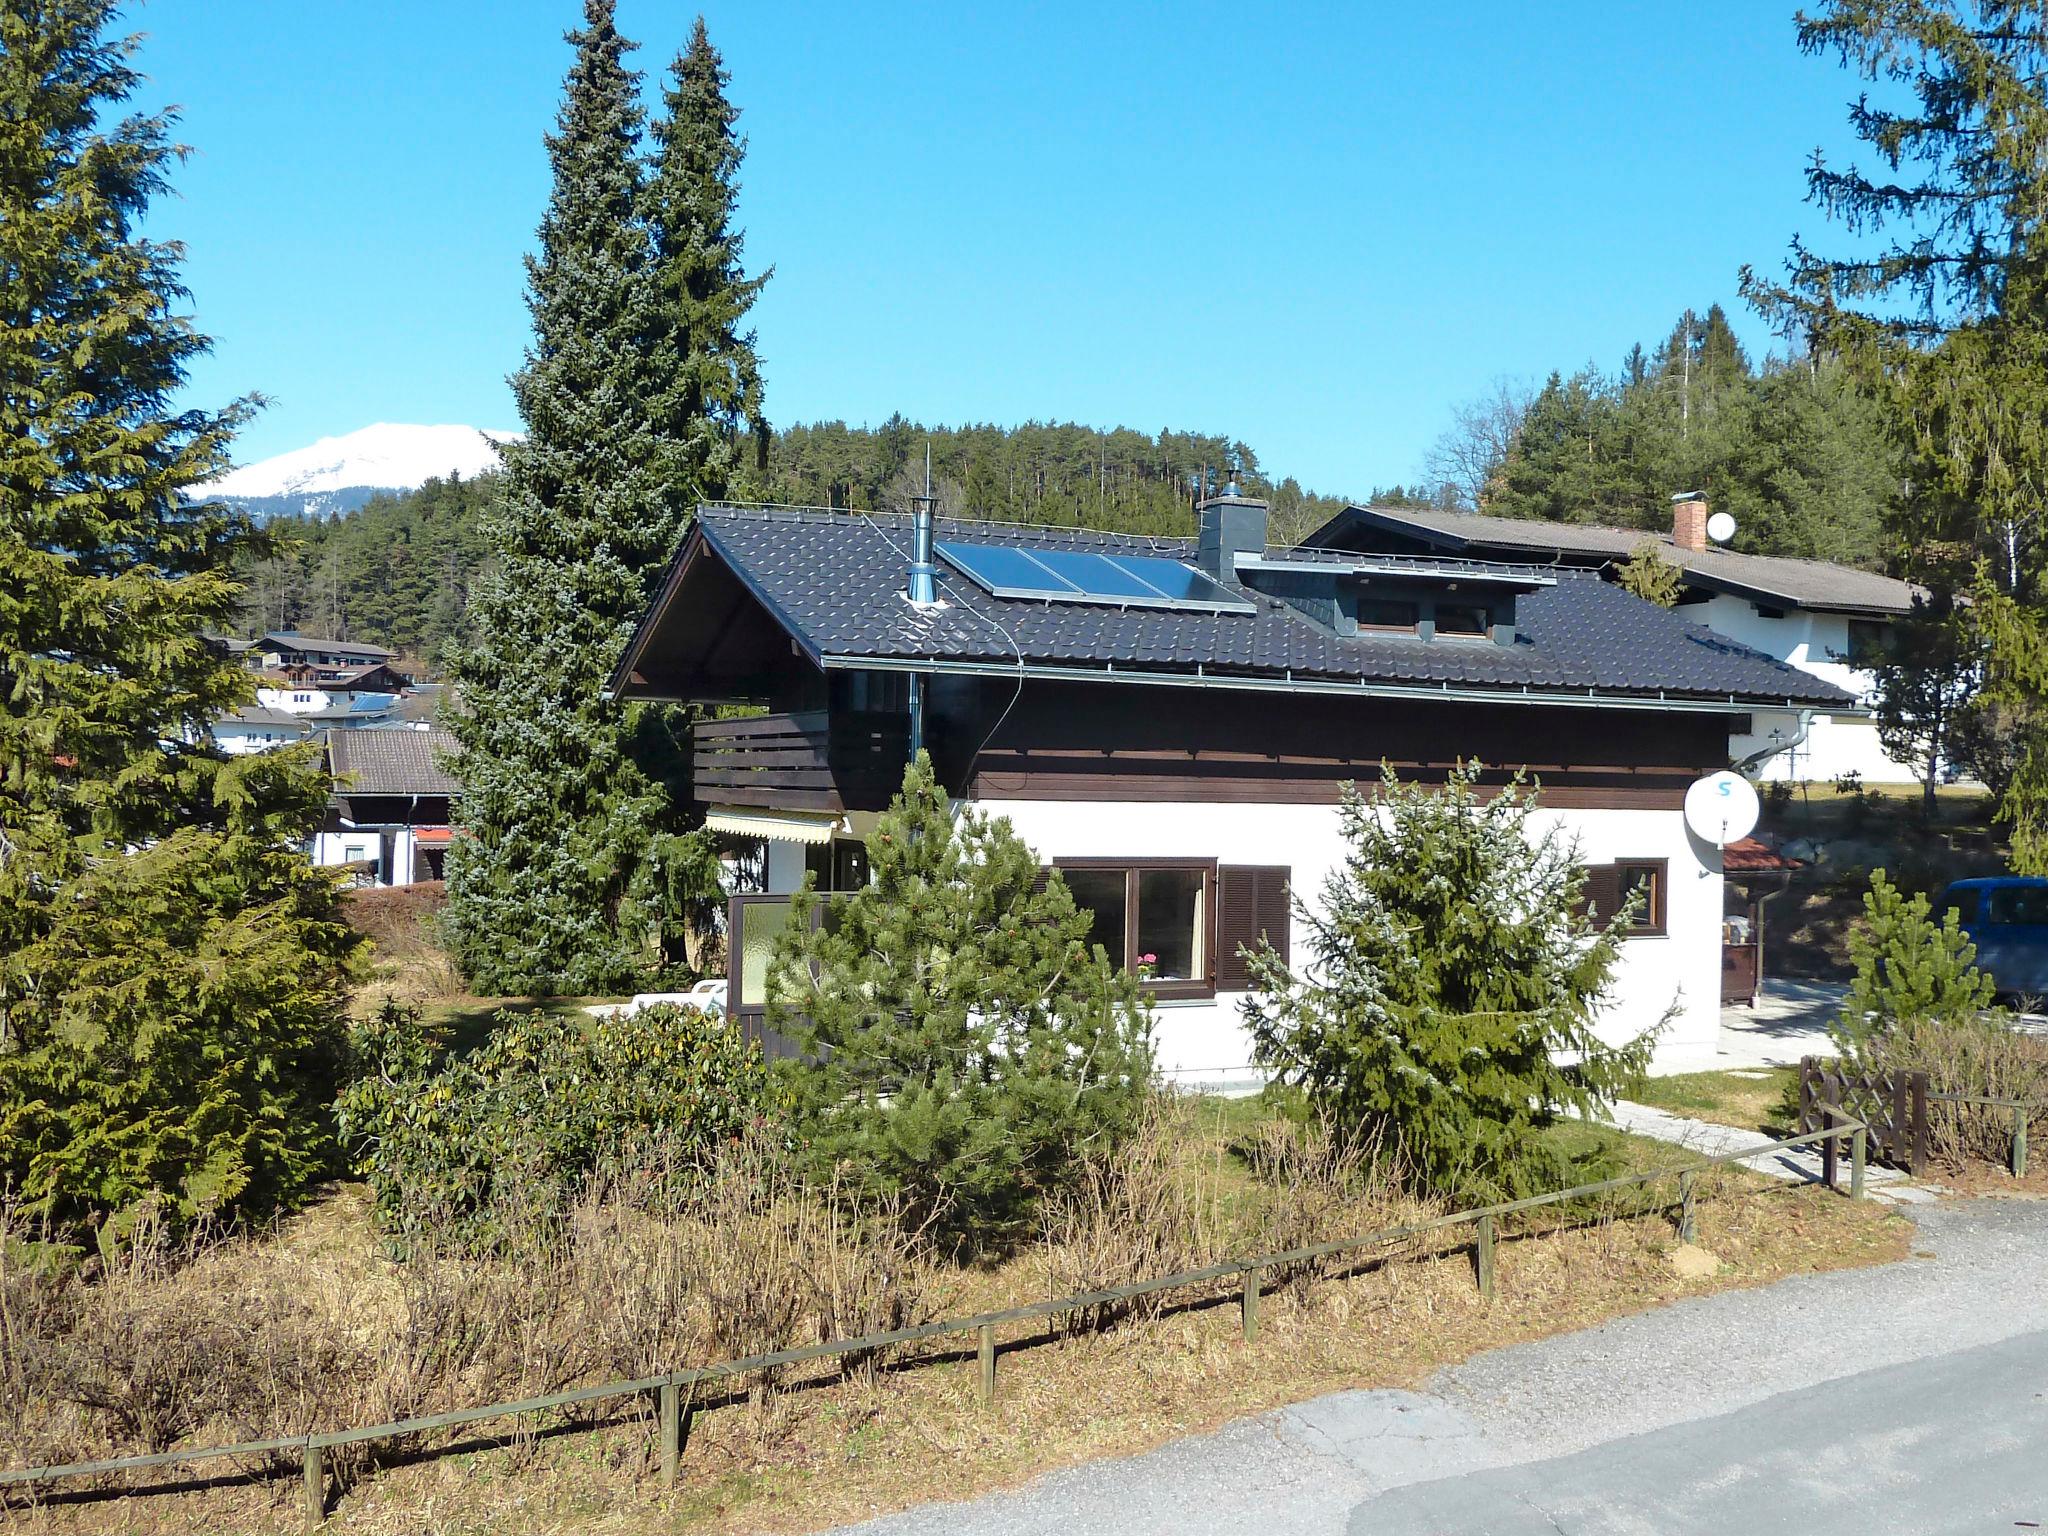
(1771, 580)
(391, 762)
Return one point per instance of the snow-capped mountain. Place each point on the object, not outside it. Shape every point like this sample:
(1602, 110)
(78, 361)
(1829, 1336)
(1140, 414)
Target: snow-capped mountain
(339, 474)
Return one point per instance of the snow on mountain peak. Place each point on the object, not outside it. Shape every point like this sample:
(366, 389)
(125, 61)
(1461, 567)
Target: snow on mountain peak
(390, 456)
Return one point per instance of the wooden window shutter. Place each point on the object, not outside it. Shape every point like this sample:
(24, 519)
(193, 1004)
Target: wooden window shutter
(1251, 902)
(1601, 895)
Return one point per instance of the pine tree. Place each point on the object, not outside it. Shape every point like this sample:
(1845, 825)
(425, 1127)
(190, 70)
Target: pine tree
(170, 964)
(1452, 976)
(575, 850)
(1911, 971)
(711, 407)
(971, 1046)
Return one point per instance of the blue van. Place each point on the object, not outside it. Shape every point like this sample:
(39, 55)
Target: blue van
(2006, 917)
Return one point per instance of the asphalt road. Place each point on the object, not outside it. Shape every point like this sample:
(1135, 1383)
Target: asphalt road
(1911, 1397)
(1955, 1442)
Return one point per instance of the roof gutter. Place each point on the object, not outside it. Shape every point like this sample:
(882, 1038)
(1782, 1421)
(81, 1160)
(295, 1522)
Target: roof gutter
(1325, 687)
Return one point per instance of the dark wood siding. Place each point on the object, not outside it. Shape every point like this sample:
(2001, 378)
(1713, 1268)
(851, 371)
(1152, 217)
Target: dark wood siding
(1109, 742)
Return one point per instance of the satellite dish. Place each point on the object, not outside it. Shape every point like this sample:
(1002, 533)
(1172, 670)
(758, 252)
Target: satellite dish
(1722, 808)
(1720, 527)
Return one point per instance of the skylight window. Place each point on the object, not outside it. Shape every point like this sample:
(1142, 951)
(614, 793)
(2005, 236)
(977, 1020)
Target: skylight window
(1088, 576)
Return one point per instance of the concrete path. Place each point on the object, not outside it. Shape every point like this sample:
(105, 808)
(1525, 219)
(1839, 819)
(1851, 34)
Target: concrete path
(1797, 1165)
(1790, 1020)
(1701, 1416)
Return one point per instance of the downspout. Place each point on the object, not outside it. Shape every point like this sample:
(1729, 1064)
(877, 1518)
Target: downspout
(1798, 740)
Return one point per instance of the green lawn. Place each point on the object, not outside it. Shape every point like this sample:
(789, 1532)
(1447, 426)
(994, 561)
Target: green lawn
(1751, 1100)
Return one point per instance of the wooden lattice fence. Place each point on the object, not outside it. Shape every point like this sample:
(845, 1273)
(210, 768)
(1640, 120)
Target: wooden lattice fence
(1892, 1104)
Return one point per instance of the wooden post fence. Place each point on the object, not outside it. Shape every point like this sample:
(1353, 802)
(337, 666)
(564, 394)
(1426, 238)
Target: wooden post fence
(675, 1391)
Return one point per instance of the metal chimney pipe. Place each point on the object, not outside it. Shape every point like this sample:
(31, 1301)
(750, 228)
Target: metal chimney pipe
(923, 574)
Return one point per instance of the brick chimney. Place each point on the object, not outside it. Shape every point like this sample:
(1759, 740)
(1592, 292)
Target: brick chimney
(1689, 520)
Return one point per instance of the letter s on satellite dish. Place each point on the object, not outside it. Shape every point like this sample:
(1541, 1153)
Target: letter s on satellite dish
(1720, 527)
(1722, 808)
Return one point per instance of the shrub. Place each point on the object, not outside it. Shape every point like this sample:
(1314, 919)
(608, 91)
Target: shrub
(499, 1143)
(1979, 1056)
(968, 1048)
(1454, 975)
(171, 1040)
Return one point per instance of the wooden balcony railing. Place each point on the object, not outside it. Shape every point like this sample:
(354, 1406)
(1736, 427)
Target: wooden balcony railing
(816, 761)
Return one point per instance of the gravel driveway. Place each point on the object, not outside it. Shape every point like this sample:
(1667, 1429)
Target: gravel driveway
(1320, 1465)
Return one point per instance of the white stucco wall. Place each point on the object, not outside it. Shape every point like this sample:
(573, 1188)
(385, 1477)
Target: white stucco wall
(348, 847)
(1817, 643)
(1204, 1043)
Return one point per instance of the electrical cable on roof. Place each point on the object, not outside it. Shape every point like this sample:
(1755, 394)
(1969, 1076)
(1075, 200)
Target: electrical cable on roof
(1015, 694)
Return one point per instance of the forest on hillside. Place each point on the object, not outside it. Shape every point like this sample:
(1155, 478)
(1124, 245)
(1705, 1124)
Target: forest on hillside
(399, 570)
(1799, 455)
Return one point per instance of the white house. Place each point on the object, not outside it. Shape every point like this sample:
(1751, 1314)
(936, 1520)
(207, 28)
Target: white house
(258, 728)
(1812, 614)
(1169, 722)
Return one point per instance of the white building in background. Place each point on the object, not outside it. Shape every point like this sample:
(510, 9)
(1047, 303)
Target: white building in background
(258, 728)
(1810, 614)
(390, 815)
(1170, 722)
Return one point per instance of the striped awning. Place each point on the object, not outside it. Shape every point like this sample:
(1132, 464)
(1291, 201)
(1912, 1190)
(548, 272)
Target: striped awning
(782, 826)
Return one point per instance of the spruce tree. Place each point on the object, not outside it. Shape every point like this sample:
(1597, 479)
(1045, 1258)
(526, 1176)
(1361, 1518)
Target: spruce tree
(711, 406)
(1941, 301)
(969, 1046)
(1453, 975)
(170, 964)
(1650, 576)
(574, 850)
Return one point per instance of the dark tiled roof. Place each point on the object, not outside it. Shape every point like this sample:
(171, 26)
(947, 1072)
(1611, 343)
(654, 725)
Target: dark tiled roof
(284, 640)
(835, 581)
(1774, 579)
(373, 761)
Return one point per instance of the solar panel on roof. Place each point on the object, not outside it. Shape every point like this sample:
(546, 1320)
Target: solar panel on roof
(1087, 576)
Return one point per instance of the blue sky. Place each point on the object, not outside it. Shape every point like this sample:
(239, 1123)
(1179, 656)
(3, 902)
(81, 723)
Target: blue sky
(1314, 227)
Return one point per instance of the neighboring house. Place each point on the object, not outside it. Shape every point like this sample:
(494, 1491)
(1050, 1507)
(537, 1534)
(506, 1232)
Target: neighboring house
(288, 648)
(344, 699)
(1809, 613)
(389, 816)
(258, 728)
(1169, 721)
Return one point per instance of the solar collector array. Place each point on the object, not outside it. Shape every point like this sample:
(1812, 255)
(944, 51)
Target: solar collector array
(1088, 576)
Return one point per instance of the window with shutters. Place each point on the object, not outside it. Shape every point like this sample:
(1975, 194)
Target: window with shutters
(1252, 903)
(1152, 916)
(1608, 886)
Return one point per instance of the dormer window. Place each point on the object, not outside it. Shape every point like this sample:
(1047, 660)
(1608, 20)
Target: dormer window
(1386, 613)
(1463, 620)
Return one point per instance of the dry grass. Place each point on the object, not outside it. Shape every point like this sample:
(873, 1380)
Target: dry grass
(761, 1264)
(1982, 1059)
(406, 959)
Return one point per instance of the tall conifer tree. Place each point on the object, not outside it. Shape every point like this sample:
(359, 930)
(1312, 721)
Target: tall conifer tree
(170, 964)
(553, 888)
(713, 402)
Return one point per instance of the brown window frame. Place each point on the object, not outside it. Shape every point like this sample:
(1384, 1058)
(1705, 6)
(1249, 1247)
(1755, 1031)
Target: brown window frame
(1654, 923)
(1193, 988)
